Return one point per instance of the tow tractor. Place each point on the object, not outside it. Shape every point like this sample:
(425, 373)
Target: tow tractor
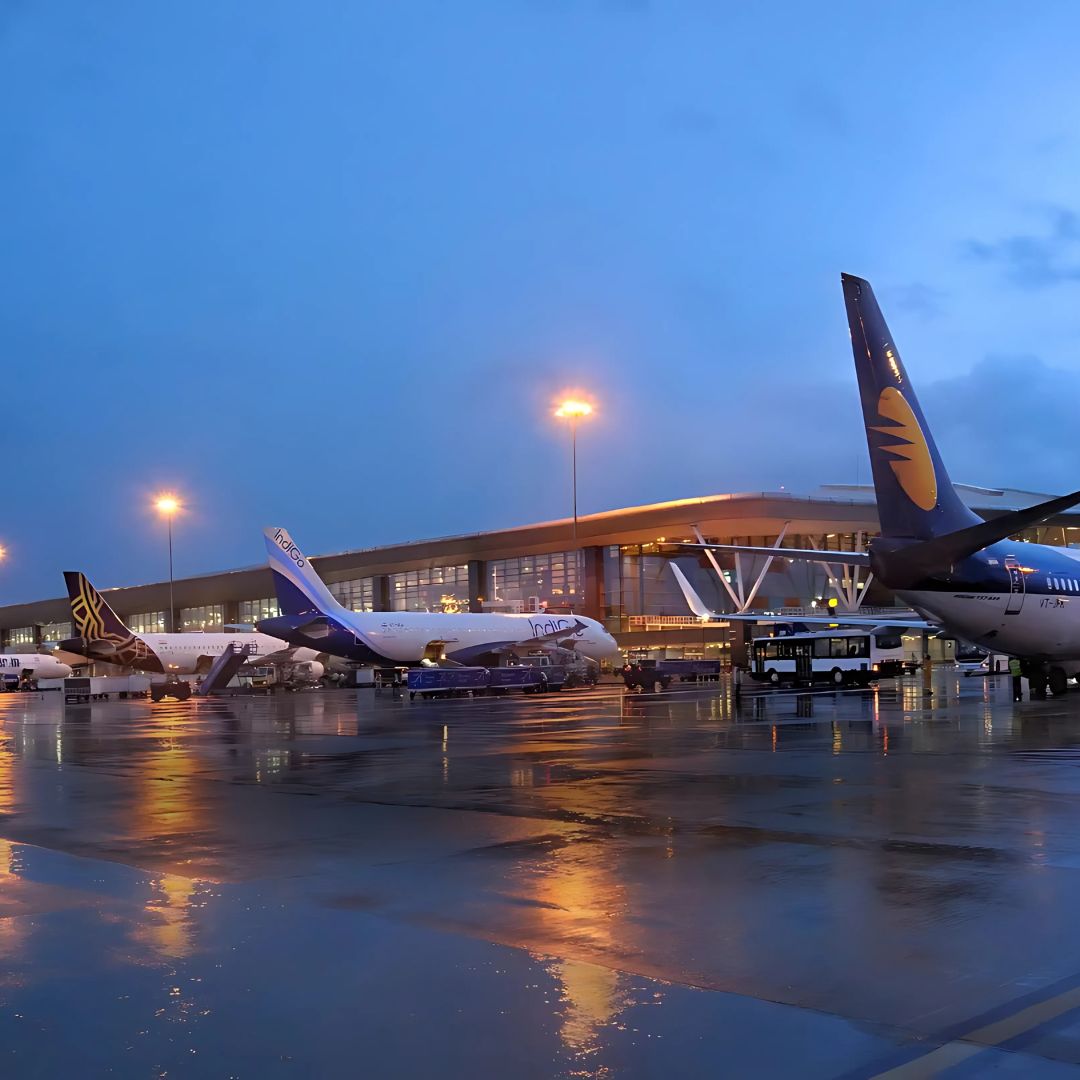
(173, 687)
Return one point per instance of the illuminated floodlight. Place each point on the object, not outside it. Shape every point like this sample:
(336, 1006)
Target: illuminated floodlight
(572, 409)
(167, 504)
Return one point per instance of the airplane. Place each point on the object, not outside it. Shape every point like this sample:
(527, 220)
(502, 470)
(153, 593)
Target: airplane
(960, 572)
(19, 667)
(102, 635)
(312, 617)
(838, 618)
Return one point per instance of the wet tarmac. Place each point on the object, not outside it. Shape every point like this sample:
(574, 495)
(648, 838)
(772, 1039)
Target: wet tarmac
(581, 885)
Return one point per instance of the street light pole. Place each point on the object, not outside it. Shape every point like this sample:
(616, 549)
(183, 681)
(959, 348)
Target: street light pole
(172, 606)
(167, 506)
(573, 411)
(573, 472)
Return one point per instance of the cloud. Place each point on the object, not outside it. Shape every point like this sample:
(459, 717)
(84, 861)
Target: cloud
(1009, 422)
(1036, 261)
(919, 299)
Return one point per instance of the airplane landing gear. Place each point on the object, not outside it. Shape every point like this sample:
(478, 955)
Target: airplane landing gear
(1059, 681)
(1037, 677)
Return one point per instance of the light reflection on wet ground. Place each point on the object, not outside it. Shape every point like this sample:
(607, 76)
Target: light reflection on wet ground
(580, 885)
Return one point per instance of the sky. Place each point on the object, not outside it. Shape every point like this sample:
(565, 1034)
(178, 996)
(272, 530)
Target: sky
(329, 265)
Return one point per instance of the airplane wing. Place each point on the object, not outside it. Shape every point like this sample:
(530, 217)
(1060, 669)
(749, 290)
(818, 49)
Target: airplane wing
(870, 621)
(697, 606)
(556, 641)
(844, 558)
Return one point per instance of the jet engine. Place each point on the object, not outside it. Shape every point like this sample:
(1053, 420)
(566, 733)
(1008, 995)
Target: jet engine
(308, 671)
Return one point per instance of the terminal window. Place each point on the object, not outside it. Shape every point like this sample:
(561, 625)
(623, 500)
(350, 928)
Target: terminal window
(533, 581)
(21, 635)
(147, 622)
(55, 631)
(207, 617)
(251, 611)
(357, 594)
(436, 588)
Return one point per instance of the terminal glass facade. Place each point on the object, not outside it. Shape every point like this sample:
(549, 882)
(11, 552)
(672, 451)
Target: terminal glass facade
(251, 611)
(639, 583)
(55, 631)
(357, 594)
(210, 617)
(149, 622)
(21, 635)
(534, 582)
(438, 588)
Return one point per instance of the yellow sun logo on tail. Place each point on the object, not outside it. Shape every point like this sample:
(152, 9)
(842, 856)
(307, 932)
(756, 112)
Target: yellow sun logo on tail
(911, 463)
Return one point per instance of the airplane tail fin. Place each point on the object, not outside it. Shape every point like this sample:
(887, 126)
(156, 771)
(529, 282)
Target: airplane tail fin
(91, 616)
(300, 591)
(915, 497)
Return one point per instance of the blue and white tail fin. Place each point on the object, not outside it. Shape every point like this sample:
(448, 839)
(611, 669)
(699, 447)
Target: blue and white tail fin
(300, 591)
(915, 497)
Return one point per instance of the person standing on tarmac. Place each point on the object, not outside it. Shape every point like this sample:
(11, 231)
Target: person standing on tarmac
(1016, 671)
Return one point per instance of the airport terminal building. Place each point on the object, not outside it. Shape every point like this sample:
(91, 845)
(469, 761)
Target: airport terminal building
(618, 572)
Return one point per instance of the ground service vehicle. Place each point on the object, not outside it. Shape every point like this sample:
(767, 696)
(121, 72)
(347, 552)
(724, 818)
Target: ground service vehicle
(447, 681)
(838, 657)
(640, 680)
(173, 686)
(691, 670)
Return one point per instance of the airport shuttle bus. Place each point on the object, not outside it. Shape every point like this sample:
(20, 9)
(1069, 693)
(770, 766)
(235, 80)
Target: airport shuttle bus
(838, 657)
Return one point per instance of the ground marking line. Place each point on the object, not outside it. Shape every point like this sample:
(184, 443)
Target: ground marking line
(989, 1036)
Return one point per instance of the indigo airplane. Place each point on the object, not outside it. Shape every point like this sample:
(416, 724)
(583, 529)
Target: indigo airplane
(962, 573)
(312, 617)
(102, 635)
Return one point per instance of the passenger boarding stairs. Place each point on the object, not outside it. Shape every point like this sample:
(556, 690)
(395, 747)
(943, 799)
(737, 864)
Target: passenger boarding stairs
(223, 669)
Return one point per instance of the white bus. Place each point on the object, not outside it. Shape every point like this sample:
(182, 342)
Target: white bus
(838, 657)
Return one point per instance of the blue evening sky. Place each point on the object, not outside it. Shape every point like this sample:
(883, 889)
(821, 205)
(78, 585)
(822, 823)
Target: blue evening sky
(327, 265)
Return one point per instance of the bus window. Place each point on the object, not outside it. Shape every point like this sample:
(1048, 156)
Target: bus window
(821, 647)
(888, 641)
(855, 647)
(839, 648)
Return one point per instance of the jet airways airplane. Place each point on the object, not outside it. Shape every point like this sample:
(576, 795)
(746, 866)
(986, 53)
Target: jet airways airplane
(934, 553)
(312, 617)
(102, 635)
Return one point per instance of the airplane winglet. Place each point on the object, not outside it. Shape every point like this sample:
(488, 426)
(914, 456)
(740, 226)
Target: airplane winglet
(694, 601)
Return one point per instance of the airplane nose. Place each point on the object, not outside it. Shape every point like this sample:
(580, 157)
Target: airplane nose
(65, 670)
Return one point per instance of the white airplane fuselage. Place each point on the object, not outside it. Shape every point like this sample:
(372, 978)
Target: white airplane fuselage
(36, 665)
(406, 637)
(186, 654)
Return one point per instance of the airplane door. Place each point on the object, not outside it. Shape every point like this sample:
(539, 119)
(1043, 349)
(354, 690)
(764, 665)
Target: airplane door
(1016, 587)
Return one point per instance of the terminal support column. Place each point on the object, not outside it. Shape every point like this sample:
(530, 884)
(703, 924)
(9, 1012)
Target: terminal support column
(381, 592)
(477, 576)
(592, 595)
